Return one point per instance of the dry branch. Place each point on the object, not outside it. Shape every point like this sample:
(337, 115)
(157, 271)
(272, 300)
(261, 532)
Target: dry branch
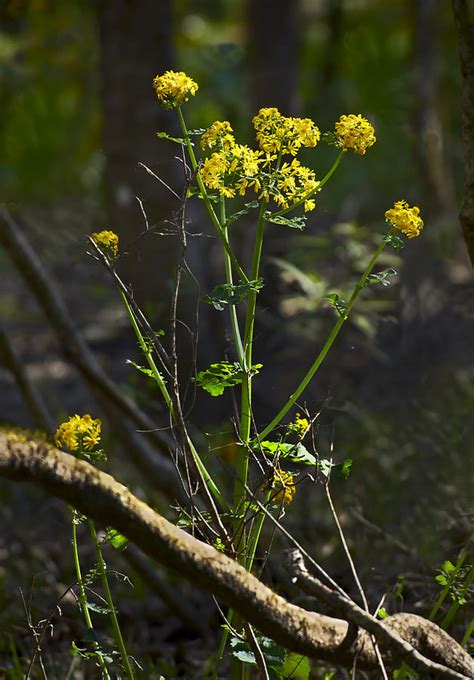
(98, 495)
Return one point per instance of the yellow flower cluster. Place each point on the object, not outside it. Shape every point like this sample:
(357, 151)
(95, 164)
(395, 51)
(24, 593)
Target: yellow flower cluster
(293, 183)
(355, 132)
(405, 219)
(219, 134)
(299, 426)
(79, 433)
(278, 134)
(232, 170)
(174, 88)
(284, 483)
(106, 240)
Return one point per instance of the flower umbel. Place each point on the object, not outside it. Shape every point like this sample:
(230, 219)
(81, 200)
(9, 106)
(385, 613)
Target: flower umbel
(299, 426)
(355, 132)
(174, 88)
(79, 433)
(279, 134)
(405, 219)
(218, 135)
(106, 240)
(284, 483)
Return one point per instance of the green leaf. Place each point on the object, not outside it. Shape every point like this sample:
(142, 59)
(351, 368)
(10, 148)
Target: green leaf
(195, 191)
(237, 215)
(119, 541)
(297, 453)
(196, 132)
(394, 241)
(325, 466)
(346, 467)
(223, 374)
(338, 304)
(97, 608)
(382, 613)
(405, 673)
(228, 294)
(146, 371)
(296, 667)
(381, 277)
(241, 651)
(298, 222)
(165, 135)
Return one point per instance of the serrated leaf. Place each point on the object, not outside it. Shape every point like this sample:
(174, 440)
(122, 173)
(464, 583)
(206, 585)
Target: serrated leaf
(165, 135)
(146, 371)
(297, 453)
(381, 277)
(394, 241)
(223, 374)
(229, 294)
(298, 222)
(197, 131)
(237, 215)
(97, 608)
(117, 540)
(337, 303)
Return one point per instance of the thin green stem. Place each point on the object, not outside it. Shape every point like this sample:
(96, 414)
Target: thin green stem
(108, 596)
(82, 597)
(214, 219)
(467, 634)
(324, 180)
(213, 488)
(234, 322)
(255, 534)
(327, 346)
(222, 646)
(246, 399)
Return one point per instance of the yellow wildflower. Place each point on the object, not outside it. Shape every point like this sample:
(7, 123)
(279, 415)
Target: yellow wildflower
(233, 169)
(284, 483)
(299, 426)
(294, 182)
(219, 134)
(278, 134)
(355, 132)
(404, 218)
(174, 88)
(106, 240)
(79, 433)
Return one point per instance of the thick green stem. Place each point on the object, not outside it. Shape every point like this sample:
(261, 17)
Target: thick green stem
(214, 219)
(324, 180)
(82, 594)
(327, 346)
(108, 596)
(213, 488)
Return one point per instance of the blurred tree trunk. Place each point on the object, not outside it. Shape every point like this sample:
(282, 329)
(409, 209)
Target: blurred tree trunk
(272, 46)
(136, 44)
(464, 18)
(436, 180)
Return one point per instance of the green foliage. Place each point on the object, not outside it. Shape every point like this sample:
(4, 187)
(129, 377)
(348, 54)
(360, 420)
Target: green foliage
(224, 374)
(296, 453)
(394, 241)
(240, 213)
(381, 277)
(229, 294)
(116, 539)
(453, 578)
(337, 303)
(297, 222)
(282, 665)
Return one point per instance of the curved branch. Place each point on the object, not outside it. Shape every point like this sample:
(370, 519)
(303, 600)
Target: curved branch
(101, 497)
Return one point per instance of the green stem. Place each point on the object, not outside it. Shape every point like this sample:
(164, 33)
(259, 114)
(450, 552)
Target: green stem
(255, 535)
(108, 596)
(467, 634)
(324, 180)
(215, 220)
(246, 399)
(234, 322)
(213, 488)
(82, 594)
(327, 346)
(222, 646)
(444, 593)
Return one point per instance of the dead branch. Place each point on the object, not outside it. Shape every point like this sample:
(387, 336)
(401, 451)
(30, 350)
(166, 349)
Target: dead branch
(99, 496)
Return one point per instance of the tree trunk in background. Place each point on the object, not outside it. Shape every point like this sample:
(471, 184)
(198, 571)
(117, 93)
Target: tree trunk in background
(465, 27)
(436, 180)
(136, 44)
(272, 46)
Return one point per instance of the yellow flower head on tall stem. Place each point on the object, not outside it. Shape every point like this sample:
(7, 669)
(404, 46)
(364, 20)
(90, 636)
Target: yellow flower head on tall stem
(355, 132)
(174, 88)
(106, 240)
(405, 219)
(79, 433)
(279, 134)
(218, 135)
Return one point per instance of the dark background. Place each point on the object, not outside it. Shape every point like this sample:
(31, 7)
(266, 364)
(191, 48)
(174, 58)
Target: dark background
(78, 113)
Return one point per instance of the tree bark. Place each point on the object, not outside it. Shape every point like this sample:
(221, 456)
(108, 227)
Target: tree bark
(463, 16)
(101, 497)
